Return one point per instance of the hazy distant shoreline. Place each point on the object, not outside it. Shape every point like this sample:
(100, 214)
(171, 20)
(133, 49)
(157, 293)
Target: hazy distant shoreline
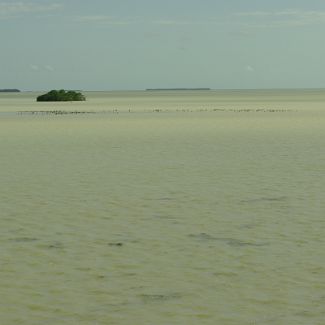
(9, 91)
(168, 89)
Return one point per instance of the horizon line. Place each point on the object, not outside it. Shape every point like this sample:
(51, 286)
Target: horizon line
(182, 89)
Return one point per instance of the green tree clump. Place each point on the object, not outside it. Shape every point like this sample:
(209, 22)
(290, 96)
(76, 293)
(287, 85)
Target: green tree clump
(61, 96)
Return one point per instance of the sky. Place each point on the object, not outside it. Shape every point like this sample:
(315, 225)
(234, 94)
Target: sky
(139, 44)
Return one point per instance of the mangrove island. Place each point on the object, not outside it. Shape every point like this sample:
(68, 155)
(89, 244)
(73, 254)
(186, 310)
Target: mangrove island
(61, 96)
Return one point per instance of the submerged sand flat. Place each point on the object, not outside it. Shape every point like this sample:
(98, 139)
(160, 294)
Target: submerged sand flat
(163, 208)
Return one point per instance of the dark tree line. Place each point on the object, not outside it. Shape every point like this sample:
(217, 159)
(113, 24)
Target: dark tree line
(61, 96)
(9, 90)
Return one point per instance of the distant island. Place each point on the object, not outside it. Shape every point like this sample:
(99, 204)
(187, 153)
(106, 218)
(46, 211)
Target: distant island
(9, 91)
(168, 89)
(61, 96)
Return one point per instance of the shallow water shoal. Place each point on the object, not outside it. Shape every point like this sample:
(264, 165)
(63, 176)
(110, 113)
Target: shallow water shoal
(163, 217)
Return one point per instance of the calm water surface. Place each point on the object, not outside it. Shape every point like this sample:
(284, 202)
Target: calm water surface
(163, 208)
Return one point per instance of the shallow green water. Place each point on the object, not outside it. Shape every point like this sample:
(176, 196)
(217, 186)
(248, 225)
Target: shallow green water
(164, 208)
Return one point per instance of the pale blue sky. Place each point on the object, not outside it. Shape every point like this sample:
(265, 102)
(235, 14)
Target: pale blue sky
(138, 44)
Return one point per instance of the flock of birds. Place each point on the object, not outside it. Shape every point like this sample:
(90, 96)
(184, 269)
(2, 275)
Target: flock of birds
(157, 110)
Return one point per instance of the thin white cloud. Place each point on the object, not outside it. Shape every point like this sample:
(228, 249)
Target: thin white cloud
(253, 14)
(103, 19)
(48, 68)
(34, 67)
(252, 19)
(171, 22)
(14, 9)
(249, 68)
(284, 18)
(109, 20)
